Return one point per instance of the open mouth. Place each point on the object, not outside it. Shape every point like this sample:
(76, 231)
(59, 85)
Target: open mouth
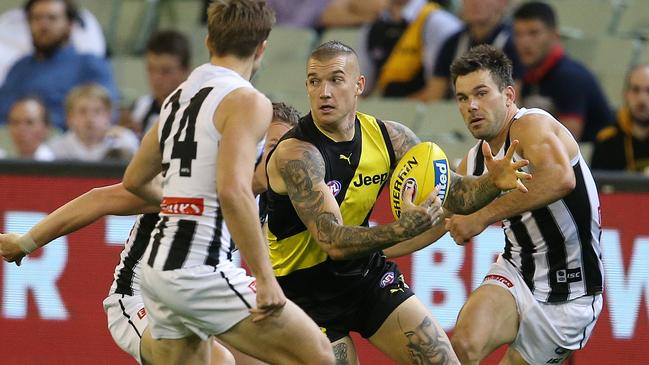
(326, 108)
(475, 120)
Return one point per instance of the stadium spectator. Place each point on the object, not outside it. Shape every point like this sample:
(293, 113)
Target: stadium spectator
(55, 67)
(554, 81)
(168, 61)
(29, 127)
(16, 40)
(325, 13)
(90, 136)
(386, 54)
(625, 145)
(485, 23)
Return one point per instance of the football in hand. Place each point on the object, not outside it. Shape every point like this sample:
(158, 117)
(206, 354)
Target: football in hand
(423, 167)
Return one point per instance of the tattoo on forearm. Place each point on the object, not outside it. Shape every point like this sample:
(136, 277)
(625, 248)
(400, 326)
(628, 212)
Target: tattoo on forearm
(427, 346)
(300, 176)
(401, 137)
(340, 353)
(468, 194)
(358, 241)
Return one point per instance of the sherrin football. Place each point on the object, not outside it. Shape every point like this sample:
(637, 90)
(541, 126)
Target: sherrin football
(423, 167)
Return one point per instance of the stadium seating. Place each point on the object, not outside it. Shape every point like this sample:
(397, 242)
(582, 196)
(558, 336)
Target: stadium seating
(609, 58)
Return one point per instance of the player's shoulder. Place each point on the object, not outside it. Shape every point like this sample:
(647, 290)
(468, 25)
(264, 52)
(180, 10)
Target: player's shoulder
(534, 121)
(249, 96)
(294, 148)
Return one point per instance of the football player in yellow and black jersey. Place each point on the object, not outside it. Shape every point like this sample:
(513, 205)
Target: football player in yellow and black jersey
(324, 178)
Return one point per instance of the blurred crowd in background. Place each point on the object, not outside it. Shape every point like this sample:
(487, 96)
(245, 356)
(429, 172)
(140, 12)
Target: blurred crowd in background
(84, 80)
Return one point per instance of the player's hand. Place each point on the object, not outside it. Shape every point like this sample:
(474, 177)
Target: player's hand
(270, 299)
(419, 218)
(9, 248)
(503, 172)
(464, 227)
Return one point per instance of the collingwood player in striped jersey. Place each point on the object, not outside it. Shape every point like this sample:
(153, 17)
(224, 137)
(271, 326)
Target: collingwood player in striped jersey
(125, 313)
(551, 264)
(205, 147)
(127, 320)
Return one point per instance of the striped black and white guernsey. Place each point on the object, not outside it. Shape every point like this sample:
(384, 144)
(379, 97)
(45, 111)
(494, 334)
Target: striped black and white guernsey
(128, 272)
(191, 230)
(555, 248)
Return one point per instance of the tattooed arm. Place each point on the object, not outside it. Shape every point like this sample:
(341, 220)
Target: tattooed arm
(402, 138)
(297, 169)
(466, 193)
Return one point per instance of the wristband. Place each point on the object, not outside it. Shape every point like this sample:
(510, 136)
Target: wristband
(26, 244)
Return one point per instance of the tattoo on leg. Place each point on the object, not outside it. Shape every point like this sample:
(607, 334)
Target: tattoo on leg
(426, 346)
(340, 353)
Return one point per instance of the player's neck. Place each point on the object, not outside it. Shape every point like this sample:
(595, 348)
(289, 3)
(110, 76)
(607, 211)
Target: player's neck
(498, 140)
(241, 66)
(341, 131)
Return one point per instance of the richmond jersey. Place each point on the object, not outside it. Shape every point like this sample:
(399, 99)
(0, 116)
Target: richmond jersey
(191, 230)
(555, 248)
(355, 172)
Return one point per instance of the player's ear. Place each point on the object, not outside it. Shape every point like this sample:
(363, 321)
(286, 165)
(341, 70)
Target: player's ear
(360, 85)
(510, 95)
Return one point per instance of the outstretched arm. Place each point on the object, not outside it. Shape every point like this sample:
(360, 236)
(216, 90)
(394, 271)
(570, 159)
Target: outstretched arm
(297, 168)
(469, 193)
(548, 150)
(74, 215)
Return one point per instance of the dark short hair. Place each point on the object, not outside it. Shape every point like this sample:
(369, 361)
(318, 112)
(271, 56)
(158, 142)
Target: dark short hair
(484, 57)
(71, 10)
(537, 10)
(37, 100)
(286, 113)
(332, 49)
(238, 27)
(172, 43)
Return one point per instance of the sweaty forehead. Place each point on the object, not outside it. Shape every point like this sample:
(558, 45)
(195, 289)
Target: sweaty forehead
(346, 64)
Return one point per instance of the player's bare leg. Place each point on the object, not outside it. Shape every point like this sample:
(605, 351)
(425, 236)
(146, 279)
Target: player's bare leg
(189, 350)
(410, 335)
(239, 358)
(273, 339)
(345, 351)
(512, 357)
(488, 320)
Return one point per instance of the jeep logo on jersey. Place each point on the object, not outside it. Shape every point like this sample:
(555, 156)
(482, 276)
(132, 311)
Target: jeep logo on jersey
(187, 206)
(369, 180)
(387, 279)
(441, 177)
(335, 186)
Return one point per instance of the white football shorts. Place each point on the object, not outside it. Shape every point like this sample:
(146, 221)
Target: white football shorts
(548, 332)
(127, 320)
(203, 300)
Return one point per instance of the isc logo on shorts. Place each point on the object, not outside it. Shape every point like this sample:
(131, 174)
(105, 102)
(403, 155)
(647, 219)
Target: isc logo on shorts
(569, 275)
(141, 313)
(253, 286)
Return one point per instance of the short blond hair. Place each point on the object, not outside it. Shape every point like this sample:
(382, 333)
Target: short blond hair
(88, 91)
